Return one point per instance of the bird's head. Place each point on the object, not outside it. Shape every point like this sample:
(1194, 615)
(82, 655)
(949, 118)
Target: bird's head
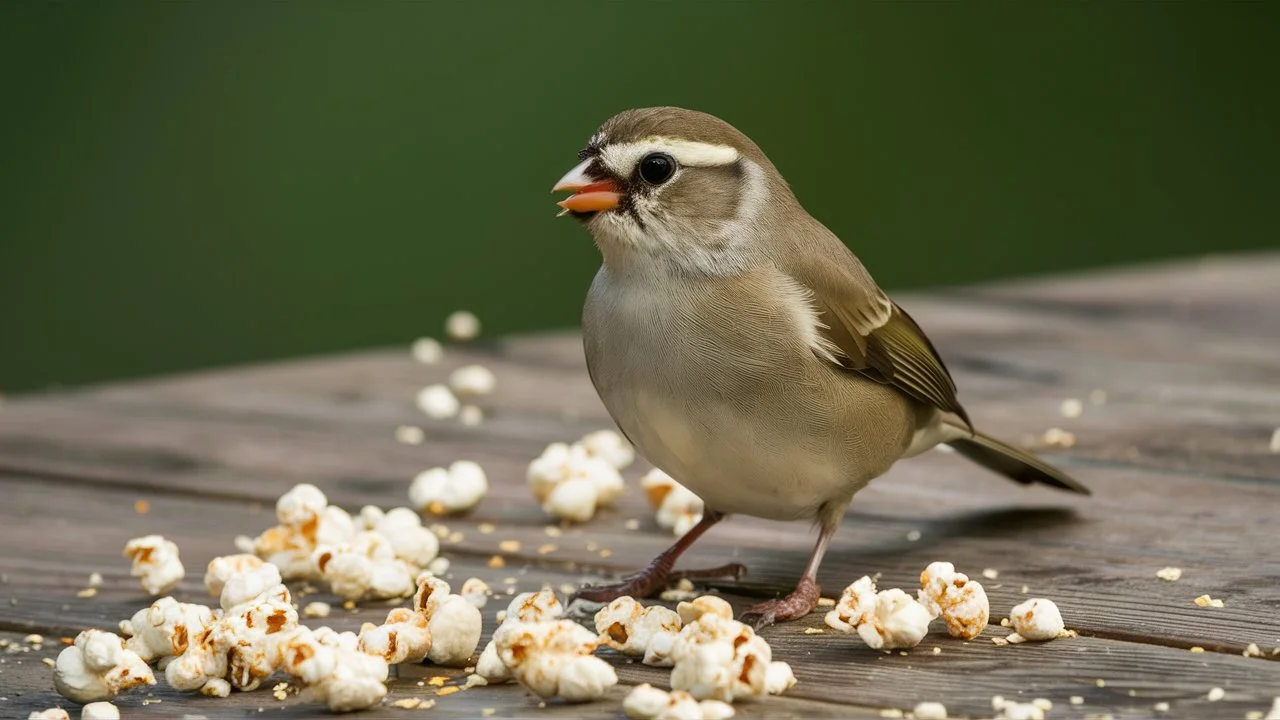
(674, 186)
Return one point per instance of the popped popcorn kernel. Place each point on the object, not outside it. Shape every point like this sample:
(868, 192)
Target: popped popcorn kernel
(610, 446)
(529, 607)
(155, 562)
(164, 628)
(472, 380)
(99, 711)
(646, 702)
(365, 568)
(462, 326)
(331, 667)
(427, 351)
(437, 401)
(476, 592)
(630, 628)
(98, 667)
(455, 489)
(888, 620)
(720, 659)
(930, 711)
(222, 568)
(50, 714)
(554, 659)
(676, 507)
(1170, 574)
(778, 678)
(1037, 619)
(961, 602)
(571, 484)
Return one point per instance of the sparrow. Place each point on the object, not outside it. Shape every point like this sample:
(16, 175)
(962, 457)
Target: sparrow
(743, 349)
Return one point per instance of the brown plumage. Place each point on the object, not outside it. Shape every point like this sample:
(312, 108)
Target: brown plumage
(742, 347)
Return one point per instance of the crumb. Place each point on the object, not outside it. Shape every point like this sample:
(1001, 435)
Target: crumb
(142, 507)
(407, 703)
(1076, 700)
(438, 681)
(427, 351)
(937, 650)
(1170, 573)
(316, 610)
(1196, 649)
(632, 524)
(552, 531)
(1098, 397)
(509, 546)
(1274, 446)
(1252, 650)
(826, 602)
(1025, 589)
(1057, 437)
(448, 690)
(1206, 601)
(813, 631)
(913, 535)
(48, 661)
(1100, 683)
(891, 713)
(462, 326)
(991, 573)
(606, 553)
(546, 548)
(87, 592)
(486, 528)
(1215, 694)
(1161, 707)
(95, 580)
(488, 712)
(455, 537)
(470, 415)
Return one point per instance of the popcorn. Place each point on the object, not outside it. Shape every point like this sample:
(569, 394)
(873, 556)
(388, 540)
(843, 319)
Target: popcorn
(1274, 712)
(706, 605)
(570, 483)
(961, 602)
(427, 351)
(331, 667)
(365, 568)
(630, 628)
(165, 628)
(527, 607)
(609, 446)
(98, 667)
(554, 659)
(156, 561)
(250, 586)
(887, 620)
(1010, 710)
(306, 521)
(455, 625)
(472, 380)
(51, 714)
(457, 489)
(437, 401)
(678, 509)
(1037, 619)
(778, 678)
(930, 711)
(222, 568)
(646, 702)
(462, 326)
(404, 637)
(719, 658)
(409, 540)
(476, 592)
(99, 711)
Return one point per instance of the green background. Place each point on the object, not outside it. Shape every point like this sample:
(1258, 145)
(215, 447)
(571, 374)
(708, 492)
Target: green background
(186, 185)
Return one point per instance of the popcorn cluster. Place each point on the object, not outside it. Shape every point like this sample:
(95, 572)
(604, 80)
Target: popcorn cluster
(677, 508)
(542, 606)
(98, 667)
(571, 481)
(156, 563)
(885, 620)
(332, 668)
(443, 491)
(718, 658)
(554, 658)
(376, 555)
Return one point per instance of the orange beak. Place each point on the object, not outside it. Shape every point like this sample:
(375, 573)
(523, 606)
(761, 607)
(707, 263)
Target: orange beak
(588, 195)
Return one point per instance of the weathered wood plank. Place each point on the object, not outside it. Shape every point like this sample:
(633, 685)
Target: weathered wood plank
(833, 668)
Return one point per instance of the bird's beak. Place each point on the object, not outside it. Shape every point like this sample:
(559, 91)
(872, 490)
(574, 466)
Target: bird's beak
(588, 195)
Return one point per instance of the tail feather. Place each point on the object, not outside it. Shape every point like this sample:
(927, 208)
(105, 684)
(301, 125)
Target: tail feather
(1017, 465)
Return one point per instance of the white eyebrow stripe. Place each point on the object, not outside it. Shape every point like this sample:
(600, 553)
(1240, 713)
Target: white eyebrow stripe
(623, 157)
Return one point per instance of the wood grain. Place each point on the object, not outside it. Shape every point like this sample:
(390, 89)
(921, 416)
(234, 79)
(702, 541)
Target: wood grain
(1178, 456)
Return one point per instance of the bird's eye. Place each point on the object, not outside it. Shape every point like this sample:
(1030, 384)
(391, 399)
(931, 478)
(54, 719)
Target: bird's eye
(657, 168)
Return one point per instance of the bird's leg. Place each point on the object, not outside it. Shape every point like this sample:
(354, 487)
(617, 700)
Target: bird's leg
(803, 599)
(654, 578)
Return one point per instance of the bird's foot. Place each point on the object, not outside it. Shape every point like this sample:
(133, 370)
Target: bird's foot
(799, 603)
(653, 580)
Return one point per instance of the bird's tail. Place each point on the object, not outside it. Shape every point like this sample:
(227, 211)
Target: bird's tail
(1017, 465)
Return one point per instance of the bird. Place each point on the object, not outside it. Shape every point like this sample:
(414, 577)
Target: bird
(743, 349)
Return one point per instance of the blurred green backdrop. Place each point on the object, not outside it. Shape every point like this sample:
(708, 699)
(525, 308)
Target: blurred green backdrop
(194, 184)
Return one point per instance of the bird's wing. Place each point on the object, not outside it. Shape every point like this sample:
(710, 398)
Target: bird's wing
(874, 336)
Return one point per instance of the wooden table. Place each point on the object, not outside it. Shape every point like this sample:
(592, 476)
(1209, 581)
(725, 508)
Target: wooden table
(1179, 453)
